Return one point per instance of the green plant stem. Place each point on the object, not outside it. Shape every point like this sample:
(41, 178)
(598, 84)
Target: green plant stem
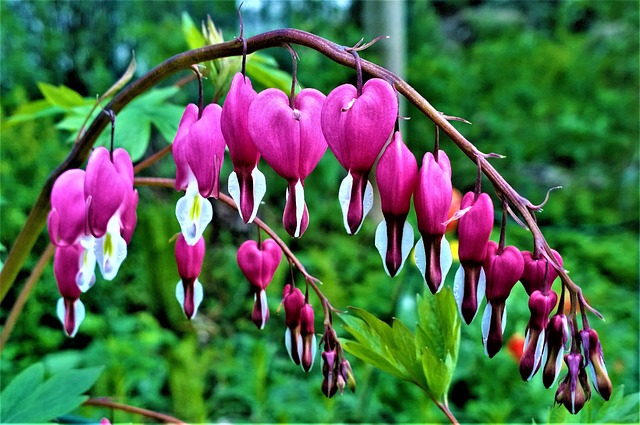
(160, 417)
(339, 54)
(18, 306)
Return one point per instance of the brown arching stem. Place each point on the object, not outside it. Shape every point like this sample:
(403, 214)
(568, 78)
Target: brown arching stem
(159, 417)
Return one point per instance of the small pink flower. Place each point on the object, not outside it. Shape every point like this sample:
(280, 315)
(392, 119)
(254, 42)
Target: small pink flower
(247, 184)
(291, 142)
(538, 274)
(189, 258)
(67, 219)
(474, 229)
(574, 391)
(356, 127)
(557, 337)
(502, 271)
(396, 175)
(594, 358)
(259, 262)
(540, 306)
(68, 271)
(432, 200)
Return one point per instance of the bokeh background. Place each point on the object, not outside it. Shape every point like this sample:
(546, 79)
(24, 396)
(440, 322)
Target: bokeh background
(552, 85)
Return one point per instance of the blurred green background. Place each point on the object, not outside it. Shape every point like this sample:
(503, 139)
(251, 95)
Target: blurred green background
(552, 85)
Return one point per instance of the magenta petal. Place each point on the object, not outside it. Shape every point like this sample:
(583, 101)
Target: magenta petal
(474, 228)
(259, 262)
(295, 225)
(129, 217)
(356, 209)
(432, 197)
(66, 265)
(104, 191)
(396, 174)
(357, 127)
(502, 270)
(538, 273)
(189, 258)
(123, 165)
(234, 122)
(205, 151)
(289, 140)
(67, 219)
(180, 143)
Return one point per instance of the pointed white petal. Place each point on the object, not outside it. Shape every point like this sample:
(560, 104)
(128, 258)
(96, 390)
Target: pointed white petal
(180, 293)
(111, 250)
(287, 342)
(198, 295)
(482, 286)
(344, 196)
(420, 258)
(264, 307)
(86, 274)
(60, 310)
(194, 213)
(446, 259)
(407, 243)
(537, 358)
(367, 202)
(299, 207)
(79, 315)
(234, 189)
(486, 325)
(559, 367)
(259, 189)
(313, 352)
(458, 288)
(381, 243)
(504, 319)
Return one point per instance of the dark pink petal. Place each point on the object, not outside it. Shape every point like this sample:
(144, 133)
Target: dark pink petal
(189, 258)
(396, 175)
(104, 191)
(502, 271)
(180, 142)
(538, 274)
(433, 193)
(474, 228)
(234, 122)
(357, 128)
(66, 266)
(67, 220)
(259, 262)
(205, 151)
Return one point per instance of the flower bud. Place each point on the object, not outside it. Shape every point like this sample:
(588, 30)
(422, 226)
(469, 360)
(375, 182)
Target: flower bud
(594, 358)
(574, 391)
(307, 349)
(557, 336)
(474, 229)
(189, 291)
(540, 306)
(293, 301)
(538, 274)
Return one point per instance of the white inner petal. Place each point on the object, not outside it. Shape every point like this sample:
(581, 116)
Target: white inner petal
(458, 288)
(420, 258)
(407, 243)
(111, 249)
(381, 243)
(259, 189)
(446, 260)
(264, 307)
(234, 189)
(344, 196)
(486, 325)
(86, 274)
(194, 213)
(299, 207)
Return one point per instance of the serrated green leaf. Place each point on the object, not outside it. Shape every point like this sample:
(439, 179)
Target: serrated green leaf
(619, 408)
(19, 389)
(192, 34)
(437, 373)
(370, 356)
(406, 352)
(59, 394)
(61, 96)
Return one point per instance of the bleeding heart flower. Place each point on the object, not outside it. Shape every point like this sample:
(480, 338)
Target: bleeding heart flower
(538, 274)
(594, 358)
(432, 201)
(71, 271)
(293, 301)
(356, 127)
(502, 269)
(258, 262)
(396, 175)
(540, 306)
(557, 337)
(67, 219)
(189, 292)
(247, 184)
(574, 391)
(290, 140)
(474, 229)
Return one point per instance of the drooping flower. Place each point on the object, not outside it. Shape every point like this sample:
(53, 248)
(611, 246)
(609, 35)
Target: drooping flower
(502, 269)
(432, 200)
(198, 151)
(396, 175)
(307, 341)
(189, 292)
(474, 229)
(557, 337)
(247, 184)
(67, 219)
(70, 272)
(293, 301)
(574, 391)
(111, 206)
(258, 262)
(594, 358)
(356, 127)
(538, 274)
(540, 306)
(290, 140)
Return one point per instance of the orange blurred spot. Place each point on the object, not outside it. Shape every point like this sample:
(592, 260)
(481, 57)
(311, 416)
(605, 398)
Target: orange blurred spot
(515, 346)
(455, 206)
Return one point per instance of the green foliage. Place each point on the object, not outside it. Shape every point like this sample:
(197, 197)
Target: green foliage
(30, 398)
(426, 358)
(621, 407)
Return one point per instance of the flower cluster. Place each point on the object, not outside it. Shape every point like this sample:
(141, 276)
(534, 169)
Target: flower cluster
(92, 219)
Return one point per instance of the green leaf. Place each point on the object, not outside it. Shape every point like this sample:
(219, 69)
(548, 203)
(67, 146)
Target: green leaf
(32, 400)
(33, 110)
(192, 34)
(375, 359)
(61, 96)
